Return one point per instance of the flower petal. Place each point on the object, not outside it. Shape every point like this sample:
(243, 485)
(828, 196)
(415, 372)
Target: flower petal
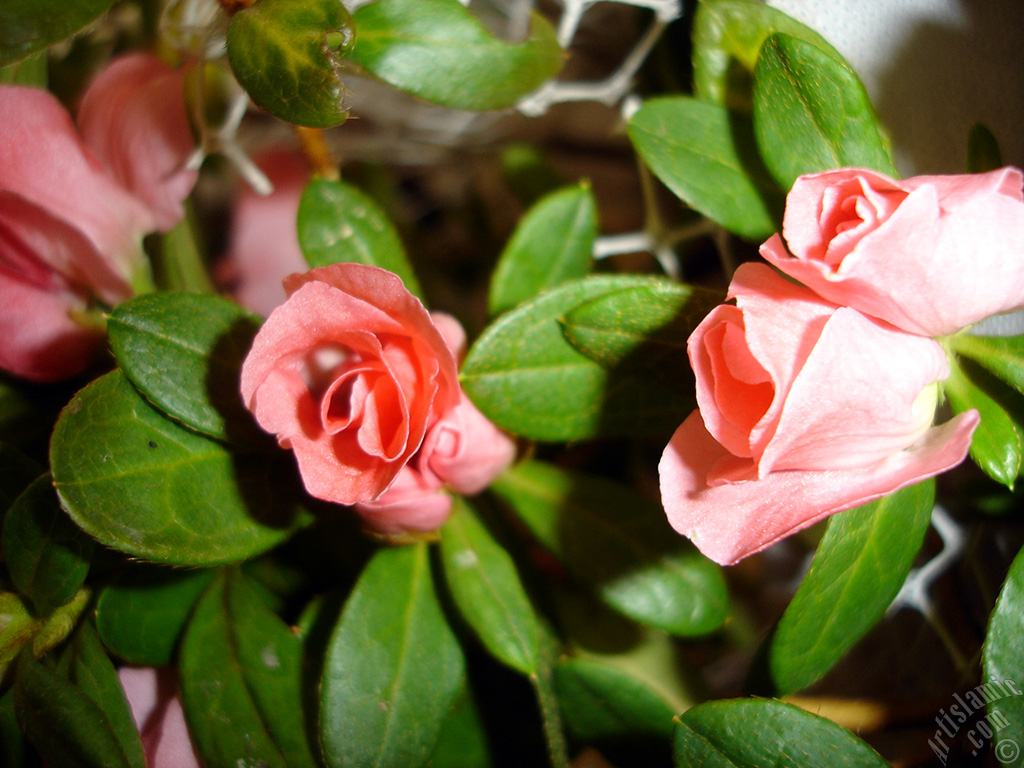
(730, 521)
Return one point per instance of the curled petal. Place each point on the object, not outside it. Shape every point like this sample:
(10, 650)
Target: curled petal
(466, 451)
(415, 503)
(730, 521)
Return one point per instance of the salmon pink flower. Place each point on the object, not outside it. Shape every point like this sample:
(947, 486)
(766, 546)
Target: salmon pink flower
(930, 254)
(360, 382)
(805, 409)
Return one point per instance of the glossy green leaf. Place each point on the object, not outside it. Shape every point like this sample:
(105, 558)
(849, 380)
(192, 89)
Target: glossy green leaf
(727, 37)
(142, 615)
(761, 733)
(1003, 356)
(289, 54)
(859, 567)
(140, 483)
(525, 376)
(707, 156)
(47, 555)
(487, 590)
(620, 674)
(1003, 663)
(621, 543)
(242, 681)
(554, 242)
(85, 664)
(982, 150)
(996, 446)
(645, 324)
(340, 223)
(811, 113)
(438, 51)
(27, 26)
(393, 668)
(17, 471)
(184, 352)
(603, 701)
(77, 719)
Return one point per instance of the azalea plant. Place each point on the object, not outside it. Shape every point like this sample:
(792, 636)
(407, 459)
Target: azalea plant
(286, 484)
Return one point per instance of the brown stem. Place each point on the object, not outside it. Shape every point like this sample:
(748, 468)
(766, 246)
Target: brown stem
(317, 153)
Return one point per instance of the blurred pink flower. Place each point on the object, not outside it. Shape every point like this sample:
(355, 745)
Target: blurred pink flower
(156, 707)
(70, 232)
(133, 117)
(264, 246)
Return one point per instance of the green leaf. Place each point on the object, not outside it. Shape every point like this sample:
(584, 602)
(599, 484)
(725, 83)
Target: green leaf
(707, 156)
(996, 445)
(616, 678)
(184, 352)
(761, 733)
(1003, 356)
(31, 71)
(87, 666)
(600, 700)
(487, 590)
(27, 26)
(19, 626)
(288, 55)
(393, 667)
(1003, 663)
(339, 223)
(644, 324)
(179, 264)
(621, 543)
(727, 37)
(554, 242)
(982, 150)
(437, 50)
(811, 113)
(462, 741)
(242, 681)
(140, 483)
(526, 377)
(141, 616)
(47, 555)
(77, 721)
(859, 567)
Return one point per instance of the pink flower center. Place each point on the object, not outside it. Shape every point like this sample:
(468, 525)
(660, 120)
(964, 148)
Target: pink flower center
(743, 389)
